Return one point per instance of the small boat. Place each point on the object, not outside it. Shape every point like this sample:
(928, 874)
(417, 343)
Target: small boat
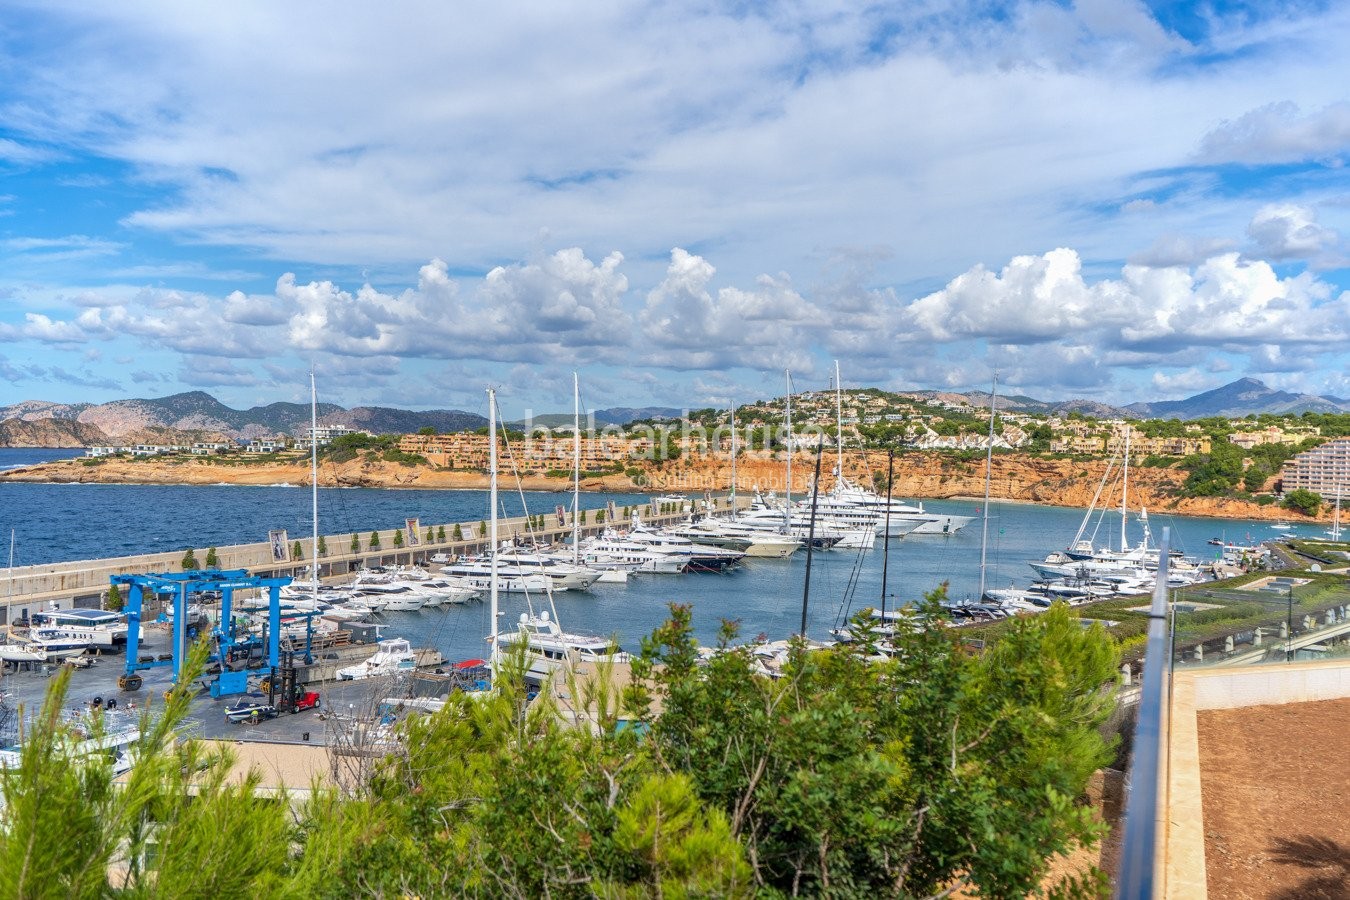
(394, 655)
(249, 708)
(1282, 526)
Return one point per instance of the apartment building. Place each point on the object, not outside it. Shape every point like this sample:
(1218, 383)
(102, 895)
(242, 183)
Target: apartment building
(1323, 470)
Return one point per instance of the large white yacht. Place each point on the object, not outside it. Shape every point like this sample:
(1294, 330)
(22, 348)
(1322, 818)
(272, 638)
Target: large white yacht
(548, 648)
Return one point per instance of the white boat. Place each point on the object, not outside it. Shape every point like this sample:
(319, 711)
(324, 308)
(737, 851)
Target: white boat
(548, 648)
(610, 551)
(393, 656)
(100, 628)
(564, 576)
(479, 572)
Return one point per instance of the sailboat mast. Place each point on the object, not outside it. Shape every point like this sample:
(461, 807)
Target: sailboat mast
(733, 459)
(787, 419)
(1125, 489)
(314, 481)
(576, 468)
(886, 535)
(492, 529)
(988, 476)
(838, 424)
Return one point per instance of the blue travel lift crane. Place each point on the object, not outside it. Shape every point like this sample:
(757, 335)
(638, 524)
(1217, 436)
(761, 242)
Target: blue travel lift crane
(181, 585)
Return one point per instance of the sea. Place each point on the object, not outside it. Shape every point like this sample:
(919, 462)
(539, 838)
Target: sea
(61, 522)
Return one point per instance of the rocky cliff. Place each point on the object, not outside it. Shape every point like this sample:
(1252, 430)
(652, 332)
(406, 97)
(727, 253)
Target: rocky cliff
(49, 433)
(917, 476)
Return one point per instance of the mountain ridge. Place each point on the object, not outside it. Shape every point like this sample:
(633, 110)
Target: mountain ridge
(198, 412)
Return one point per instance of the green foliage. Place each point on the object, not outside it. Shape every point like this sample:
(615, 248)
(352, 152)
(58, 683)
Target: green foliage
(396, 455)
(457, 534)
(374, 542)
(599, 516)
(1304, 501)
(582, 518)
(1215, 473)
(323, 546)
(428, 430)
(440, 533)
(482, 529)
(113, 601)
(297, 552)
(430, 535)
(851, 778)
(843, 778)
(189, 560)
(212, 558)
(356, 544)
(398, 537)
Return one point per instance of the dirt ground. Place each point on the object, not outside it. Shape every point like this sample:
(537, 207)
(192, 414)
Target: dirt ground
(1275, 783)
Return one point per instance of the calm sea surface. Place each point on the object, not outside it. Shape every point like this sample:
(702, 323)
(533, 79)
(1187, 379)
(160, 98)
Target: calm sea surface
(58, 522)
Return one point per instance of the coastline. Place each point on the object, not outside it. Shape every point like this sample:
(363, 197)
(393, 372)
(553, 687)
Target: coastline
(918, 476)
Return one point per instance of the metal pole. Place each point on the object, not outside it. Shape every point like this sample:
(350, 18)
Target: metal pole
(492, 532)
(811, 538)
(988, 476)
(1289, 638)
(886, 535)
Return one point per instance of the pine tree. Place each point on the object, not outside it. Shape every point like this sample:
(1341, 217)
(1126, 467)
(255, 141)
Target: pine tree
(212, 559)
(297, 552)
(440, 533)
(457, 534)
(356, 544)
(482, 529)
(323, 546)
(189, 560)
(114, 600)
(582, 519)
(374, 540)
(398, 537)
(429, 537)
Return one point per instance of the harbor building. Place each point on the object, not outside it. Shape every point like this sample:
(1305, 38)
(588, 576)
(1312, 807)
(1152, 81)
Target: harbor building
(1323, 470)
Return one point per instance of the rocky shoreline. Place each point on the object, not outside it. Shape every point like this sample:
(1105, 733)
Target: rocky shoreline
(918, 476)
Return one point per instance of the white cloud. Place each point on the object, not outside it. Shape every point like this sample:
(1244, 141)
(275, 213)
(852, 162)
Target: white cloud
(1287, 231)
(1276, 133)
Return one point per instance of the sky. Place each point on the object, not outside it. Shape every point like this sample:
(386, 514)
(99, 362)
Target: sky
(1106, 199)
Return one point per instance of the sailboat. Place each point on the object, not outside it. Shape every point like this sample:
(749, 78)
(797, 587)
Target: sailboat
(1335, 530)
(546, 647)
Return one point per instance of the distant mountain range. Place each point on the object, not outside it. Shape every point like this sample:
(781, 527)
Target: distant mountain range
(197, 411)
(203, 416)
(1246, 396)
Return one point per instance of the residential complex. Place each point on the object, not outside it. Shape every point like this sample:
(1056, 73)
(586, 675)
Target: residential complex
(1324, 470)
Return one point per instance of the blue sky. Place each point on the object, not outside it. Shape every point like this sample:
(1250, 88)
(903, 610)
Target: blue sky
(1101, 199)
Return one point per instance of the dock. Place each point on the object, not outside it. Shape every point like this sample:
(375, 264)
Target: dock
(84, 583)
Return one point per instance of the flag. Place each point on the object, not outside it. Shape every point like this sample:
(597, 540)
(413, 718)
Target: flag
(562, 516)
(413, 537)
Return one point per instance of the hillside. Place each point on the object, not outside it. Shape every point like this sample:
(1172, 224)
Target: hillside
(197, 412)
(49, 432)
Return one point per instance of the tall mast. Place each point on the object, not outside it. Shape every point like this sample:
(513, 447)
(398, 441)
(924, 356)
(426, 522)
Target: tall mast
(314, 480)
(576, 467)
(787, 419)
(988, 476)
(492, 529)
(733, 459)
(886, 535)
(1125, 489)
(838, 423)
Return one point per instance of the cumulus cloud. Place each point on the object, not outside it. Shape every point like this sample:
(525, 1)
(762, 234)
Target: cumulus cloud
(1288, 231)
(528, 312)
(685, 324)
